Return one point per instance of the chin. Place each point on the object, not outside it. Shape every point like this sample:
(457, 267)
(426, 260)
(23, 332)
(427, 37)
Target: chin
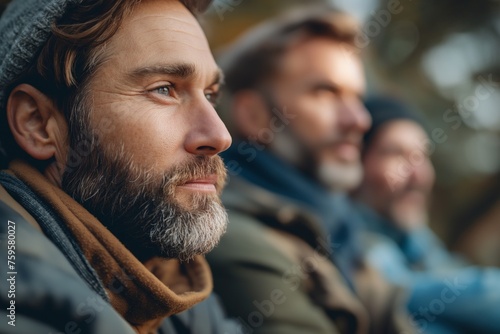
(339, 176)
(409, 219)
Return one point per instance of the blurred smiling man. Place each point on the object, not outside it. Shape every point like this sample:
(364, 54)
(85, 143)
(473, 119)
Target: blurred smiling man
(291, 262)
(113, 181)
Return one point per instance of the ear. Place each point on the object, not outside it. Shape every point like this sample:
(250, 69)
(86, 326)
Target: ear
(36, 124)
(250, 113)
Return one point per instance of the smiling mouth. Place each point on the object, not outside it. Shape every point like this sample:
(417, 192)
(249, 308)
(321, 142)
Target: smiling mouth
(205, 184)
(346, 151)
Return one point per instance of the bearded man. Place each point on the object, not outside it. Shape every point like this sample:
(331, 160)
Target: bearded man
(111, 195)
(291, 261)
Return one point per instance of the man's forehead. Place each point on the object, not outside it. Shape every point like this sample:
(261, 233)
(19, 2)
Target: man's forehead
(161, 33)
(401, 132)
(321, 59)
(168, 18)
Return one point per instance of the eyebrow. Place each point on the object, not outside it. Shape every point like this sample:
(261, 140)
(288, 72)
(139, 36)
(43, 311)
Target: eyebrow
(181, 70)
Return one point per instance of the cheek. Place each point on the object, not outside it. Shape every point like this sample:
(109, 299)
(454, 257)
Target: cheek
(385, 177)
(396, 174)
(150, 139)
(428, 176)
(314, 120)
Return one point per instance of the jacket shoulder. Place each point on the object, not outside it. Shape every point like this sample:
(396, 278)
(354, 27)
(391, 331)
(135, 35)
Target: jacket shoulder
(250, 241)
(45, 291)
(258, 282)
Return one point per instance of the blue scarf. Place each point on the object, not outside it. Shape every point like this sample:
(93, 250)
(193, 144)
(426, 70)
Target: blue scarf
(338, 219)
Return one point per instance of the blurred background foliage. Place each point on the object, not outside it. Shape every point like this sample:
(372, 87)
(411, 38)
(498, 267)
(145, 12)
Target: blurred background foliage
(443, 57)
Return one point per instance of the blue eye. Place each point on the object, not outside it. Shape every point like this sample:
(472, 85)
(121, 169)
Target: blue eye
(213, 98)
(164, 90)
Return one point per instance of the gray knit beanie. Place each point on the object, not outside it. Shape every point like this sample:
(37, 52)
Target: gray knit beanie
(25, 27)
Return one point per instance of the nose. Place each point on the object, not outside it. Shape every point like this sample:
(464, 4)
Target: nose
(208, 135)
(354, 116)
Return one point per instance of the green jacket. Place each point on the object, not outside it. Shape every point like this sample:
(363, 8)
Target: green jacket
(273, 275)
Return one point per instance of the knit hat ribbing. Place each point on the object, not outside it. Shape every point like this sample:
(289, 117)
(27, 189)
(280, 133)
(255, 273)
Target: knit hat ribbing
(25, 27)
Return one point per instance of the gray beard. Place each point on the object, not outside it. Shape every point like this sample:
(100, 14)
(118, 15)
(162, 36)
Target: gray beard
(335, 176)
(339, 177)
(144, 213)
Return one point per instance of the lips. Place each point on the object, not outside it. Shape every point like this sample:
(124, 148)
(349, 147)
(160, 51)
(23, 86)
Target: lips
(344, 150)
(204, 184)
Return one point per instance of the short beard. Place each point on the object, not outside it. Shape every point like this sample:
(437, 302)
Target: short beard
(335, 176)
(340, 177)
(140, 207)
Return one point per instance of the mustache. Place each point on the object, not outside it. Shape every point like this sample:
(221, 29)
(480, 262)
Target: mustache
(413, 189)
(337, 139)
(198, 167)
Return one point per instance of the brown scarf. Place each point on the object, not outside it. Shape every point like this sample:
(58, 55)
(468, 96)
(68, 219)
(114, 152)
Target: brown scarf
(143, 293)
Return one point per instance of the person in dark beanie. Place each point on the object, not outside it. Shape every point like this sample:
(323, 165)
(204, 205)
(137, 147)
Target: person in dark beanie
(447, 295)
(402, 193)
(111, 196)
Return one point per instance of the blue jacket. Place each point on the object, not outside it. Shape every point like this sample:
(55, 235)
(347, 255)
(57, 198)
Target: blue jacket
(447, 295)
